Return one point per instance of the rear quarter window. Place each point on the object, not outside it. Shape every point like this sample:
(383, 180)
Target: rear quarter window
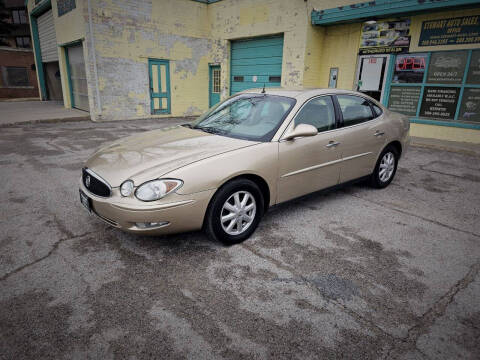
(377, 110)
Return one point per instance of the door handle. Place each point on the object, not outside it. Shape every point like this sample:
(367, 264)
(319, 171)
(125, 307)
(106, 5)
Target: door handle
(379, 133)
(332, 144)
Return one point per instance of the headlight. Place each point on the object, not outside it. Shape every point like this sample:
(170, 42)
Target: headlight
(126, 188)
(157, 189)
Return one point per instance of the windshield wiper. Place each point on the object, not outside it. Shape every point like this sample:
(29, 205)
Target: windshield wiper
(209, 130)
(187, 125)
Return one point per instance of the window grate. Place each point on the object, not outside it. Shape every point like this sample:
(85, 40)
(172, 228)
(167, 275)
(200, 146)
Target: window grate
(216, 81)
(275, 78)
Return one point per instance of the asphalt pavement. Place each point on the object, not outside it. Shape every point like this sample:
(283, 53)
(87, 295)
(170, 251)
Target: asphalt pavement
(354, 273)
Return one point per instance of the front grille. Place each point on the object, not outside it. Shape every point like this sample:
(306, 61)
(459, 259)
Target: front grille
(95, 184)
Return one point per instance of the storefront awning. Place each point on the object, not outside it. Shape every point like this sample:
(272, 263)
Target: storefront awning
(381, 8)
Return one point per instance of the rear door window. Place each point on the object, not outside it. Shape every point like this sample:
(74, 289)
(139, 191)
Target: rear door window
(355, 109)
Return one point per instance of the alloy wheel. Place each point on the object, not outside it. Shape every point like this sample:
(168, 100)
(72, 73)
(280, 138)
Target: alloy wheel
(387, 167)
(238, 212)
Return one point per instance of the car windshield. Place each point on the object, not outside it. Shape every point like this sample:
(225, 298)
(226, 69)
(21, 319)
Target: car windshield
(253, 117)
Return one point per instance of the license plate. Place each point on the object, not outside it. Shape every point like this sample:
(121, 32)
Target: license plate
(85, 200)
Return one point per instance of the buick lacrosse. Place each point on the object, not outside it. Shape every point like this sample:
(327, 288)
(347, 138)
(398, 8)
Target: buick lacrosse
(253, 150)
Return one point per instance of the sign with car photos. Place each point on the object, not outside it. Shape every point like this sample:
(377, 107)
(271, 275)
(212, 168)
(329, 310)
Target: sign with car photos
(385, 37)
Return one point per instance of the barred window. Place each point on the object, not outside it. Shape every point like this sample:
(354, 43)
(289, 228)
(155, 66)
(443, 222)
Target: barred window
(19, 17)
(23, 41)
(64, 6)
(216, 81)
(14, 76)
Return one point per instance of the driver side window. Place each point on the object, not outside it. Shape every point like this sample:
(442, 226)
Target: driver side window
(318, 112)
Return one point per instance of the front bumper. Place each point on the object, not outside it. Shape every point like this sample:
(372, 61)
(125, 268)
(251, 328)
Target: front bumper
(181, 212)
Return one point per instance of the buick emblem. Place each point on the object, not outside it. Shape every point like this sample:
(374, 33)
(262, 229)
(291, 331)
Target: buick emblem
(87, 181)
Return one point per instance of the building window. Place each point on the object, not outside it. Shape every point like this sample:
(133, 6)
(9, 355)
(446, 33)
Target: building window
(409, 68)
(14, 76)
(64, 6)
(23, 41)
(438, 86)
(216, 81)
(19, 17)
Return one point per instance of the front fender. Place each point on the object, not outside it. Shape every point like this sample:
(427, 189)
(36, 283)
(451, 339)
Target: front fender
(213, 172)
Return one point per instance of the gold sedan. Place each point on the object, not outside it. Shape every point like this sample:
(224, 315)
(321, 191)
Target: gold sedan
(249, 152)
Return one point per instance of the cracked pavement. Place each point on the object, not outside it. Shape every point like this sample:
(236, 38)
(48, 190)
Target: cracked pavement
(351, 273)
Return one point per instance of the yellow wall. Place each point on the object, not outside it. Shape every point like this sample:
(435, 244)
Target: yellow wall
(445, 133)
(335, 46)
(232, 19)
(192, 35)
(175, 30)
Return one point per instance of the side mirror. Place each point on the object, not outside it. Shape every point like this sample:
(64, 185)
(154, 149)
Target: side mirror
(301, 130)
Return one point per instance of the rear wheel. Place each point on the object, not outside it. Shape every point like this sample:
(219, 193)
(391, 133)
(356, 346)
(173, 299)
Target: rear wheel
(234, 212)
(385, 168)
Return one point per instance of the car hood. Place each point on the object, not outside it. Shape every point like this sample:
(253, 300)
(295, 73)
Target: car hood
(151, 154)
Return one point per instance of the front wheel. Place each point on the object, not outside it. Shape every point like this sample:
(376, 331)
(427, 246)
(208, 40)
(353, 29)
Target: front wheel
(385, 168)
(234, 212)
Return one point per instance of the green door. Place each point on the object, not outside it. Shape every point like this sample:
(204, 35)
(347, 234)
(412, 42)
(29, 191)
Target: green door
(214, 85)
(255, 62)
(159, 72)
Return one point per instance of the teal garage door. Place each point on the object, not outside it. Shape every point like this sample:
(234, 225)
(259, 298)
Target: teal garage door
(255, 62)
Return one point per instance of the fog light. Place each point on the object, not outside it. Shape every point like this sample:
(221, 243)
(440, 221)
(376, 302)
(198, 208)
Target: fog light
(149, 225)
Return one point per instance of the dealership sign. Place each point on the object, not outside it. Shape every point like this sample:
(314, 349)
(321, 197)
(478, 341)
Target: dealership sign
(385, 37)
(454, 31)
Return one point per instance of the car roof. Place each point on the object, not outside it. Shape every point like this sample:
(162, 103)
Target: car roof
(297, 92)
(303, 93)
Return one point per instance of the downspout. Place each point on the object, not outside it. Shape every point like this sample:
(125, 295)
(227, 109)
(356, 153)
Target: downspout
(97, 91)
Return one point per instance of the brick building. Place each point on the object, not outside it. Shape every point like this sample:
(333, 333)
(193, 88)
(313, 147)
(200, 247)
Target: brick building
(18, 78)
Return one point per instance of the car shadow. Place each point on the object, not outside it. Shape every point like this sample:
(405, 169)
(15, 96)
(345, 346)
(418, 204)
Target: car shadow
(179, 242)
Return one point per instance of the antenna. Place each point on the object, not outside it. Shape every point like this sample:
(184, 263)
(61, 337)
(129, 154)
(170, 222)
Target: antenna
(263, 90)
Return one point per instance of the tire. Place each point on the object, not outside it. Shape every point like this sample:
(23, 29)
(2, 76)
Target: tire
(385, 168)
(239, 221)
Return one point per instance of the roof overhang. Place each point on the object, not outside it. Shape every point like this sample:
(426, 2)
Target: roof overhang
(381, 8)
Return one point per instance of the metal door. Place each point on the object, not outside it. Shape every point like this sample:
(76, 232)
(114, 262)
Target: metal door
(48, 39)
(256, 62)
(77, 77)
